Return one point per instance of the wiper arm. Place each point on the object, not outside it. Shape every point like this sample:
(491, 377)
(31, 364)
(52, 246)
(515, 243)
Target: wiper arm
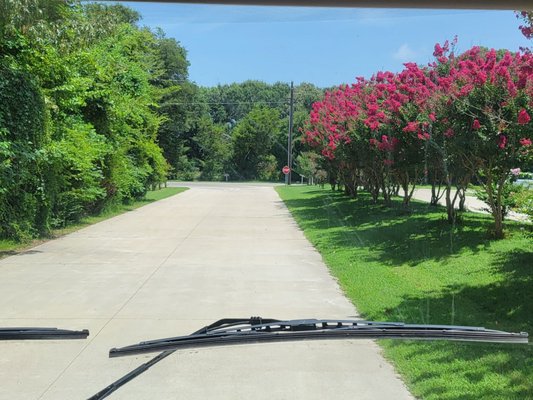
(41, 334)
(313, 329)
(232, 331)
(222, 323)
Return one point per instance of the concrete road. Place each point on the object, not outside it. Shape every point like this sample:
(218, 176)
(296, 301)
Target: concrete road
(217, 250)
(471, 203)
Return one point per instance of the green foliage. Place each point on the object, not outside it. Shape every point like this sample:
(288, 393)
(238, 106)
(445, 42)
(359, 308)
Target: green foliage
(235, 101)
(31, 17)
(181, 114)
(230, 104)
(510, 192)
(75, 167)
(268, 168)
(253, 138)
(78, 125)
(108, 113)
(215, 148)
(22, 135)
(174, 60)
(308, 165)
(522, 199)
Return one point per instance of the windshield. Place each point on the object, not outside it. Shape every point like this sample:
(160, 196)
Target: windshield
(164, 166)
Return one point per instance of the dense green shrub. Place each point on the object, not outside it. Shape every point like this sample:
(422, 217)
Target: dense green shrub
(23, 210)
(75, 163)
(78, 113)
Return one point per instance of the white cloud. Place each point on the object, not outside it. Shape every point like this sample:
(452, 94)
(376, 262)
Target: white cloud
(405, 53)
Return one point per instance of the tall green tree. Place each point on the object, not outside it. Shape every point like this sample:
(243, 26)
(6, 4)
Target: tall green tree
(253, 138)
(215, 147)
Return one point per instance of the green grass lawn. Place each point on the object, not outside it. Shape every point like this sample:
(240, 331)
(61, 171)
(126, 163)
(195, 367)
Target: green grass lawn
(9, 247)
(416, 268)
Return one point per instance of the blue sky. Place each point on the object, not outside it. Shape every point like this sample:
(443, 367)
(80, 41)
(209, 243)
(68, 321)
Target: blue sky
(325, 46)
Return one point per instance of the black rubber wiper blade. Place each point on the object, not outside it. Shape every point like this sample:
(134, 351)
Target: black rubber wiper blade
(313, 329)
(32, 333)
(231, 331)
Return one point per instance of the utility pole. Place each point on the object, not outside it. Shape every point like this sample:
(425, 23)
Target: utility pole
(289, 142)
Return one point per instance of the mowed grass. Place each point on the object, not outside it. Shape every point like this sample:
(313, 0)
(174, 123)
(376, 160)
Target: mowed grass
(10, 247)
(416, 268)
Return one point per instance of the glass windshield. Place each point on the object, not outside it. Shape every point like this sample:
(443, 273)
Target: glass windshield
(163, 166)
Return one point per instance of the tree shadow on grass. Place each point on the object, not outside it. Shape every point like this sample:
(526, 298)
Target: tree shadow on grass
(460, 371)
(394, 235)
(484, 371)
(500, 297)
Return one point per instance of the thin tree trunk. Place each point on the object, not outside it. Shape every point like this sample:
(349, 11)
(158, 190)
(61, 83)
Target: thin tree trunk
(436, 193)
(462, 198)
(450, 202)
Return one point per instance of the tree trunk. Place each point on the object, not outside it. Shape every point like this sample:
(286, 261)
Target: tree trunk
(495, 201)
(462, 198)
(408, 194)
(386, 193)
(450, 202)
(436, 193)
(498, 223)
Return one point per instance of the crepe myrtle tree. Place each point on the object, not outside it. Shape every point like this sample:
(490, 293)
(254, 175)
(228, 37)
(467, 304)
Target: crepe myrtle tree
(526, 17)
(444, 147)
(470, 113)
(491, 108)
(324, 133)
(339, 128)
(406, 102)
(376, 129)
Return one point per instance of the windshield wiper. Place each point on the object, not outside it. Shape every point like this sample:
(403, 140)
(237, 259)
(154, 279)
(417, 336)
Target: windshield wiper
(41, 334)
(233, 331)
(18, 333)
(260, 331)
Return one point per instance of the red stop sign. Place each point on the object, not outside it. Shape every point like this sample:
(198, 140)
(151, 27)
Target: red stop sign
(286, 170)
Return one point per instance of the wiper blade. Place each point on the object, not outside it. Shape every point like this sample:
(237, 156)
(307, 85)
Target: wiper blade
(248, 331)
(232, 331)
(41, 334)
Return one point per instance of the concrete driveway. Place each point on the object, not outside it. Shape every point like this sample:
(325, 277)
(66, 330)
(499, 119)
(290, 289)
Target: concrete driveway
(471, 204)
(217, 250)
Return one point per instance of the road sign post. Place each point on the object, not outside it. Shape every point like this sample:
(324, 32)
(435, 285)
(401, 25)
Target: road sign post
(286, 170)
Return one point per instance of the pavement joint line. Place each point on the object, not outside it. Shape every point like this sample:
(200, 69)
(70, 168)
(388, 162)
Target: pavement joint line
(183, 240)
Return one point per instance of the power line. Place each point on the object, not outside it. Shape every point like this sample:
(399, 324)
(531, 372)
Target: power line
(226, 103)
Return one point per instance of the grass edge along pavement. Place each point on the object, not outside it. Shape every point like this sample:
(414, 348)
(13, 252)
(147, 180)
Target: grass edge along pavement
(10, 247)
(418, 269)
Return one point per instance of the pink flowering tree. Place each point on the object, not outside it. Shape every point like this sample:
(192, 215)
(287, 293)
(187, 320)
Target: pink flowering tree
(463, 116)
(371, 131)
(326, 133)
(410, 108)
(374, 132)
(526, 26)
(338, 128)
(491, 107)
(445, 147)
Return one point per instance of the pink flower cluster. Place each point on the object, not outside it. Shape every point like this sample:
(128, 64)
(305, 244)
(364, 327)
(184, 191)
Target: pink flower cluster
(523, 117)
(393, 114)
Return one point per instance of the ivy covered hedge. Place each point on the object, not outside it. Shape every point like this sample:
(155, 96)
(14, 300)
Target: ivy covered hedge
(23, 207)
